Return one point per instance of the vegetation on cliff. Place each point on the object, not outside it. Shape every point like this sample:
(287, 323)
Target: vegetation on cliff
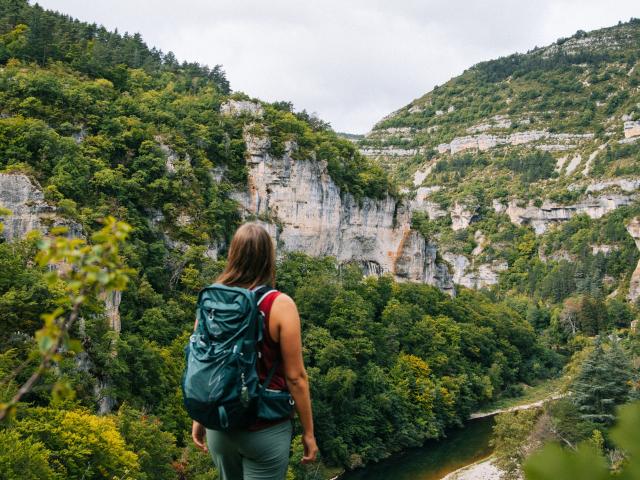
(525, 172)
(108, 126)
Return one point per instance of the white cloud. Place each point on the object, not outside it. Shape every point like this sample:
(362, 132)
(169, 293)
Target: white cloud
(354, 61)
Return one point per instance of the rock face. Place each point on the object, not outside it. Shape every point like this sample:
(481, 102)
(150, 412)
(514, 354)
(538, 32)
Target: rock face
(461, 216)
(634, 285)
(28, 209)
(112, 310)
(485, 142)
(631, 129)
(496, 122)
(26, 202)
(390, 151)
(471, 276)
(236, 108)
(314, 217)
(550, 213)
(624, 184)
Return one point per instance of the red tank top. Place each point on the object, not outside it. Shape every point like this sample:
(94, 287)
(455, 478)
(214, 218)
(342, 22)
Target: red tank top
(269, 355)
(269, 349)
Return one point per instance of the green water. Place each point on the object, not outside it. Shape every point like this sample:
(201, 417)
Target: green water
(435, 459)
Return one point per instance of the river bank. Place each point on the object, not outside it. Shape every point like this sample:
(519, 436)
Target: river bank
(482, 470)
(464, 454)
(516, 408)
(435, 459)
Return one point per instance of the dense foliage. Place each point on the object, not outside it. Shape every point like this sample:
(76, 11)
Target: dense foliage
(387, 373)
(37, 35)
(588, 461)
(603, 377)
(402, 366)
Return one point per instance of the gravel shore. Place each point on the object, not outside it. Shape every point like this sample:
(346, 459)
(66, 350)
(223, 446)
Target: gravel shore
(483, 470)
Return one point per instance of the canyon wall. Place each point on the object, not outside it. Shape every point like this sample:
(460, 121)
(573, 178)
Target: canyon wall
(308, 213)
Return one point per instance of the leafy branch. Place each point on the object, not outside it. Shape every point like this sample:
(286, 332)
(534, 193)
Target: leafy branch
(86, 271)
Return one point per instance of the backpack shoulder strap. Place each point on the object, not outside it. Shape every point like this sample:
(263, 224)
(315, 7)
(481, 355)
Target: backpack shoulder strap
(262, 292)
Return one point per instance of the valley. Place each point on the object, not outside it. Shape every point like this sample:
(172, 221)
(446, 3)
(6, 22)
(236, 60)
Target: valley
(477, 249)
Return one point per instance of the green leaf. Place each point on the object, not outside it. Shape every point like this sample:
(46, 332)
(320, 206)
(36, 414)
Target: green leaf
(626, 435)
(45, 342)
(555, 463)
(62, 391)
(74, 345)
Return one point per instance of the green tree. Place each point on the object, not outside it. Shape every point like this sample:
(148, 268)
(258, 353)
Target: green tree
(155, 448)
(85, 271)
(604, 381)
(24, 458)
(510, 433)
(88, 446)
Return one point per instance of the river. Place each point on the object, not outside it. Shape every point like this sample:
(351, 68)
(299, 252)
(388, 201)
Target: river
(434, 460)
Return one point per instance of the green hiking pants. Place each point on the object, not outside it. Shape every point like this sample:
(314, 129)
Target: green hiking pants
(245, 455)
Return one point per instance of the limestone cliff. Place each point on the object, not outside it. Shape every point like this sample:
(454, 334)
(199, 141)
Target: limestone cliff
(29, 212)
(26, 203)
(309, 213)
(540, 218)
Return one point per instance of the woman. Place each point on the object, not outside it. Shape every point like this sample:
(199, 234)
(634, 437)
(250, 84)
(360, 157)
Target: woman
(262, 451)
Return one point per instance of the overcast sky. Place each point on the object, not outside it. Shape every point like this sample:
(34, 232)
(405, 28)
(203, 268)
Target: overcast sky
(350, 61)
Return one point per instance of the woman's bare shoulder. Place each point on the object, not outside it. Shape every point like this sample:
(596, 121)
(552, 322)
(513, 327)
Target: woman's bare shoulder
(284, 304)
(284, 301)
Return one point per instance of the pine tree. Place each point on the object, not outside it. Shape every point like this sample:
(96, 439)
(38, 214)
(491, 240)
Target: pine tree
(603, 383)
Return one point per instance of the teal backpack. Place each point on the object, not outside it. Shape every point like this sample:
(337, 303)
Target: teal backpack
(220, 385)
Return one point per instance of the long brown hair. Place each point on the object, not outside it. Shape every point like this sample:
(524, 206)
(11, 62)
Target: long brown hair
(251, 260)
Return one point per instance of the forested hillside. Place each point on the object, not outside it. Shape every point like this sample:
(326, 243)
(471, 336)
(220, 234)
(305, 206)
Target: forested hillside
(524, 170)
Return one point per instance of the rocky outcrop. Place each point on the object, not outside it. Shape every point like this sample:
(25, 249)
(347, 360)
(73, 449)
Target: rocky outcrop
(422, 174)
(485, 142)
(631, 129)
(624, 184)
(313, 216)
(29, 211)
(390, 152)
(416, 260)
(496, 122)
(573, 164)
(592, 157)
(462, 215)
(634, 285)
(481, 243)
(540, 218)
(421, 203)
(466, 273)
(603, 248)
(236, 108)
(112, 310)
(26, 203)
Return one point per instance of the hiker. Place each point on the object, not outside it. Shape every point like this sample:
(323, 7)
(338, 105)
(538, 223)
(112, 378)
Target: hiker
(261, 449)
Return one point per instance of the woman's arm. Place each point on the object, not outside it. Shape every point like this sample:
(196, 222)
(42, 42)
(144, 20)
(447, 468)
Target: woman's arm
(198, 432)
(284, 327)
